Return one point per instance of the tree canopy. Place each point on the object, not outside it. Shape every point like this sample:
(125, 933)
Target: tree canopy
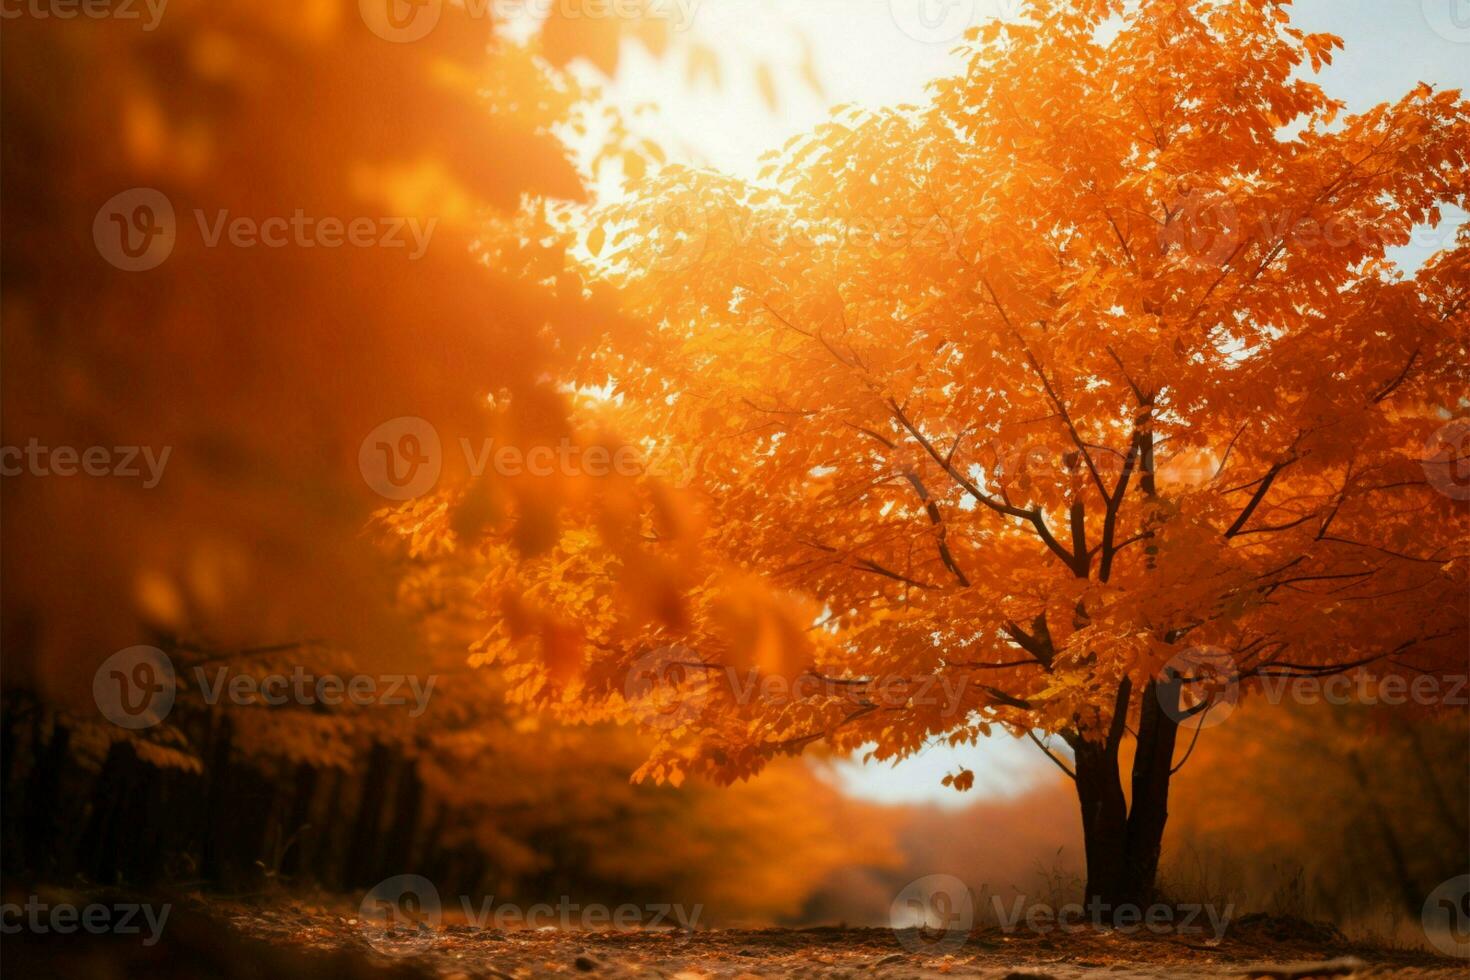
(1026, 407)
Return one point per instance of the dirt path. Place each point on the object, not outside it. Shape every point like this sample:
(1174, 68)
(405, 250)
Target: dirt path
(282, 939)
(467, 951)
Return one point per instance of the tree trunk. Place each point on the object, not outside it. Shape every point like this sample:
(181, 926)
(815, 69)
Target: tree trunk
(300, 835)
(1409, 890)
(328, 869)
(408, 799)
(1123, 842)
(43, 798)
(1104, 823)
(366, 842)
(220, 737)
(1153, 765)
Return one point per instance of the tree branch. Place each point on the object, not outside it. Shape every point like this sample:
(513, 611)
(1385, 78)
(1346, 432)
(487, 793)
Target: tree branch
(1058, 762)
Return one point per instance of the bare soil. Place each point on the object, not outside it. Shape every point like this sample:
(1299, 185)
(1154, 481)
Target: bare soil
(282, 939)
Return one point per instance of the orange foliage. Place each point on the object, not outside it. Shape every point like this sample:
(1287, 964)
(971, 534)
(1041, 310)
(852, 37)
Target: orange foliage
(262, 370)
(1096, 359)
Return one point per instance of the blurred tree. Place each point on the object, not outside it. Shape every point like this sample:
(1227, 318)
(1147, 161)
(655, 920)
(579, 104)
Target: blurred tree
(261, 371)
(261, 368)
(1370, 805)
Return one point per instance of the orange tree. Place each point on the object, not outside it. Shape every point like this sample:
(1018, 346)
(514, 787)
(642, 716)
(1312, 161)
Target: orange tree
(1069, 403)
(253, 369)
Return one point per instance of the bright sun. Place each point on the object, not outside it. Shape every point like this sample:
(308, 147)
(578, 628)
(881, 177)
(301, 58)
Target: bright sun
(815, 53)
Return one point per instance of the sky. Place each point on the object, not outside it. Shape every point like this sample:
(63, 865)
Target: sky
(883, 52)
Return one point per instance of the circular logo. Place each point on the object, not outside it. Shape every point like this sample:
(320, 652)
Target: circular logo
(134, 688)
(1450, 19)
(1205, 229)
(1446, 459)
(400, 21)
(664, 690)
(933, 21)
(1023, 466)
(135, 230)
(932, 915)
(401, 915)
(1446, 917)
(680, 233)
(401, 458)
(1209, 687)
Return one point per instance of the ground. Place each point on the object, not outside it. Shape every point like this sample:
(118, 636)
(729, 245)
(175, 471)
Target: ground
(282, 939)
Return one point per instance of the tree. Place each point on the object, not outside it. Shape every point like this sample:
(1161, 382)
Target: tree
(255, 372)
(261, 368)
(1387, 793)
(1074, 401)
